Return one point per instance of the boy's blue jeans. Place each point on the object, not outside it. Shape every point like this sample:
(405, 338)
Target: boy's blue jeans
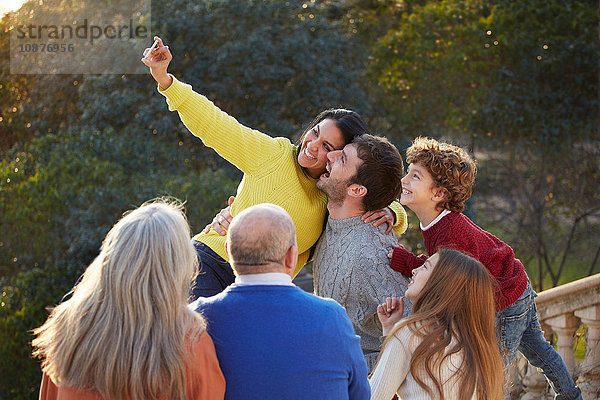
(519, 329)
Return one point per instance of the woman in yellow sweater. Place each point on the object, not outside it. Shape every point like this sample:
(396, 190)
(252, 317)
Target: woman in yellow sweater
(275, 170)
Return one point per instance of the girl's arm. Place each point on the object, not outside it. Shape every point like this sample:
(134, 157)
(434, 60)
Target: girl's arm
(391, 370)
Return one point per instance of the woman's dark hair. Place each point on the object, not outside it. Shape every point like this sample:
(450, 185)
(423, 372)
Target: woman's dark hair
(349, 122)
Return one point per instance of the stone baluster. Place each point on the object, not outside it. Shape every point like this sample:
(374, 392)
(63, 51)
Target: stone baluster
(565, 326)
(562, 309)
(589, 379)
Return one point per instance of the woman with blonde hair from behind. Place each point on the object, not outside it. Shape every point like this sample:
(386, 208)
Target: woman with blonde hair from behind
(447, 349)
(126, 331)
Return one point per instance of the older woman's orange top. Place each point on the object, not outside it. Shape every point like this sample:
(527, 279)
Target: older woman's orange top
(205, 379)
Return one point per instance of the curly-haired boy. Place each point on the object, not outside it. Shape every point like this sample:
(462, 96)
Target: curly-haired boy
(439, 180)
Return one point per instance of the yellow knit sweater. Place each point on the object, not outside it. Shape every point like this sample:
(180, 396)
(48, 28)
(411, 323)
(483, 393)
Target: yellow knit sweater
(271, 171)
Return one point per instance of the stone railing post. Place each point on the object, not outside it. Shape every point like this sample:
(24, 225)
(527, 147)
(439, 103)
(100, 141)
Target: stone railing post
(565, 326)
(562, 310)
(589, 379)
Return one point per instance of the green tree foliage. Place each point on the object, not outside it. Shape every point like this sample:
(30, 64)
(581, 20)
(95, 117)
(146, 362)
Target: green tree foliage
(544, 86)
(59, 196)
(23, 301)
(272, 64)
(517, 81)
(432, 64)
(539, 119)
(79, 150)
(32, 106)
(62, 193)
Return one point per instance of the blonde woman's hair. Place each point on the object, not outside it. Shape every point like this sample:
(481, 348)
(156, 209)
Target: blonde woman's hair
(123, 331)
(457, 302)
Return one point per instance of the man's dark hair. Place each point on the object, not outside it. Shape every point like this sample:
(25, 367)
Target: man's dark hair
(380, 172)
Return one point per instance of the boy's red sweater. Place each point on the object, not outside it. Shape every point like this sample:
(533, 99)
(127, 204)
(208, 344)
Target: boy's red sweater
(458, 232)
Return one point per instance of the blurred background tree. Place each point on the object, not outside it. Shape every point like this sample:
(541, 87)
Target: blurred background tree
(516, 82)
(79, 150)
(543, 146)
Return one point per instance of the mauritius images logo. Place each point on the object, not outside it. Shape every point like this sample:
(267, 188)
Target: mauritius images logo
(79, 37)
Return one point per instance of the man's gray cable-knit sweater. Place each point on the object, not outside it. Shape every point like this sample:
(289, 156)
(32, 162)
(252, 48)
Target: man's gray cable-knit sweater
(351, 266)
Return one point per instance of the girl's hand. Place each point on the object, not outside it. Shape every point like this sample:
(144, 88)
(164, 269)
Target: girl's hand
(221, 221)
(380, 216)
(158, 60)
(390, 312)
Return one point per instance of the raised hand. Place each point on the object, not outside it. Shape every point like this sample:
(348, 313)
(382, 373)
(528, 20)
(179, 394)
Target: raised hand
(158, 60)
(380, 216)
(390, 312)
(221, 221)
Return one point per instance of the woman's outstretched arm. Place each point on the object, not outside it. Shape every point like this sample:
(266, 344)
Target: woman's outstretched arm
(249, 150)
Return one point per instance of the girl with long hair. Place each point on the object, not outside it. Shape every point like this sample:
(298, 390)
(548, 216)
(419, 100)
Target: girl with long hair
(126, 331)
(447, 349)
(275, 170)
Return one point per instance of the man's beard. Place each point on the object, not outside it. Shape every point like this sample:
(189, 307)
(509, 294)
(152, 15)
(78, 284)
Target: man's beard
(334, 189)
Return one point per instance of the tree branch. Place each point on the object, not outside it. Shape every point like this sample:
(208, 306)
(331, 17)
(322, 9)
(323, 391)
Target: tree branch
(594, 262)
(567, 248)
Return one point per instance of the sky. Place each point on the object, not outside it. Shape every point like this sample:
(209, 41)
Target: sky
(9, 5)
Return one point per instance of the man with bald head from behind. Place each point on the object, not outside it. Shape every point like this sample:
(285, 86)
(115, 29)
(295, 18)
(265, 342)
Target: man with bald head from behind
(273, 340)
(262, 241)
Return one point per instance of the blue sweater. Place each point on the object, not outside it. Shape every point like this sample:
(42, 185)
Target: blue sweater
(279, 342)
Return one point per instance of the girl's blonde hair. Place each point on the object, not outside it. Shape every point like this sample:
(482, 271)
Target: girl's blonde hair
(123, 331)
(457, 302)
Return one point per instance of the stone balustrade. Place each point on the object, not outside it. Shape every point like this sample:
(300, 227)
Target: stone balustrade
(562, 310)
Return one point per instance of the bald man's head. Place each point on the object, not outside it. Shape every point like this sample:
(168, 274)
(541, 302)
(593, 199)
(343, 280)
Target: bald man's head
(259, 239)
